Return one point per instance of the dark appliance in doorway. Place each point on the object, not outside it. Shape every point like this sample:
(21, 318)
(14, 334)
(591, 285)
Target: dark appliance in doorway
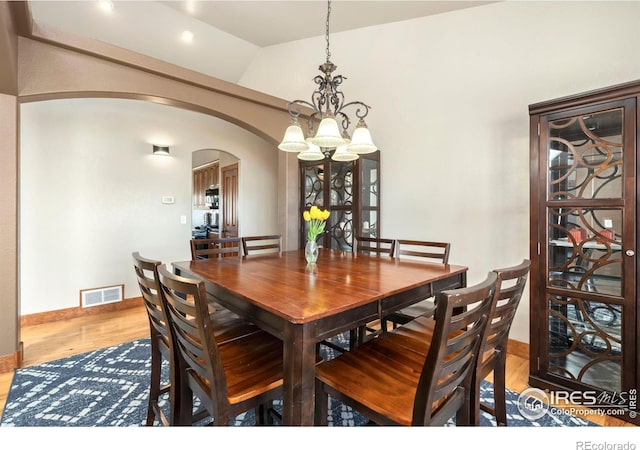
(212, 198)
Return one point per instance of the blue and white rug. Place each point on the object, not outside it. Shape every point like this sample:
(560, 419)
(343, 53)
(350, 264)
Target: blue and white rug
(109, 388)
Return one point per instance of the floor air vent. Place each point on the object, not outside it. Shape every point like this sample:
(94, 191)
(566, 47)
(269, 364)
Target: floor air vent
(101, 296)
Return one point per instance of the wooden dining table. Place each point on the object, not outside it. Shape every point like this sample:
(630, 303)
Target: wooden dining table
(303, 305)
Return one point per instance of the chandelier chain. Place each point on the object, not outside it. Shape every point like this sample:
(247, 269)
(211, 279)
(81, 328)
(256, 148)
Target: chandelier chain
(327, 30)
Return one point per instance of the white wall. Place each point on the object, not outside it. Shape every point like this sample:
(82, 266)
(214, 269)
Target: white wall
(450, 96)
(90, 192)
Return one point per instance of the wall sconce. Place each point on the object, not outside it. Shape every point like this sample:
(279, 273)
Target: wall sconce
(158, 150)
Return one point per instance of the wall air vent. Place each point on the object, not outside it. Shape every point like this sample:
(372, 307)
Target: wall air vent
(101, 296)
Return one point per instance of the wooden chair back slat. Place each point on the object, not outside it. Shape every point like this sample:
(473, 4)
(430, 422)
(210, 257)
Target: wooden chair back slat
(447, 378)
(215, 248)
(146, 271)
(510, 287)
(375, 246)
(188, 314)
(415, 378)
(227, 374)
(430, 250)
(253, 245)
(511, 284)
(147, 274)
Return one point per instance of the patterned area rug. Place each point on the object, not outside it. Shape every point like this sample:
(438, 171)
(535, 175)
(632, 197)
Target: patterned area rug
(109, 387)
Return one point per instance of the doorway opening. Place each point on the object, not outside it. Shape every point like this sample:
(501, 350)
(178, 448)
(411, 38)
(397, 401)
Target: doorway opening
(215, 194)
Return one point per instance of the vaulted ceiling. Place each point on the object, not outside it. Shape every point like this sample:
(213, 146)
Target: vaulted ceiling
(229, 31)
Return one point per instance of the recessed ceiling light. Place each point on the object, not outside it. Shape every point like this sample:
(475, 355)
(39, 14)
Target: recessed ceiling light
(187, 36)
(190, 6)
(106, 5)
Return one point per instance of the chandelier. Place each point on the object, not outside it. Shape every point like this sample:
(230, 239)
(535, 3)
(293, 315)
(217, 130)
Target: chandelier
(328, 104)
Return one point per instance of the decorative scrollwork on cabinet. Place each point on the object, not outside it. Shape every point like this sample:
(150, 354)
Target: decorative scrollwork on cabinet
(350, 190)
(584, 196)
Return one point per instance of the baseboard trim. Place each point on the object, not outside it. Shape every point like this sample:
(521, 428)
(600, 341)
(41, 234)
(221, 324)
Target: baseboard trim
(517, 348)
(12, 361)
(70, 313)
(9, 363)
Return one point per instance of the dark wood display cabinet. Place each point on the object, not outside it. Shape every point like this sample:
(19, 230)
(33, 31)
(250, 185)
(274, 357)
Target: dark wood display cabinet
(584, 223)
(350, 190)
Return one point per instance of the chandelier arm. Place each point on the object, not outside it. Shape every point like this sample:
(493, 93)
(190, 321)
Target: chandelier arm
(345, 121)
(294, 109)
(359, 115)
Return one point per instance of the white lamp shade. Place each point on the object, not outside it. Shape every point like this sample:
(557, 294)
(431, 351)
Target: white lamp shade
(328, 135)
(293, 140)
(361, 140)
(341, 154)
(313, 153)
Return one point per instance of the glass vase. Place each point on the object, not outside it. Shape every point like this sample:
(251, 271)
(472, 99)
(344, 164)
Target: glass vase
(311, 251)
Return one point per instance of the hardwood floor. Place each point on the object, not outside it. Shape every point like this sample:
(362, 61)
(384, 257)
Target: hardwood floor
(51, 341)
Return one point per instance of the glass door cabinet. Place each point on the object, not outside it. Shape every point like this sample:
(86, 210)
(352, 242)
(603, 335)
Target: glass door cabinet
(583, 335)
(350, 190)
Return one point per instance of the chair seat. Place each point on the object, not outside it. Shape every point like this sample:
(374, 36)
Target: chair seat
(358, 373)
(417, 334)
(423, 308)
(419, 250)
(252, 365)
(228, 326)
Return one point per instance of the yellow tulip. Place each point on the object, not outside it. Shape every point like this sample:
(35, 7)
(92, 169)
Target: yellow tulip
(325, 214)
(315, 212)
(306, 216)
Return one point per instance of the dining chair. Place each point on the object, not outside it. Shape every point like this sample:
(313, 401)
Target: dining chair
(215, 248)
(367, 246)
(424, 251)
(228, 327)
(253, 245)
(228, 378)
(374, 246)
(392, 384)
(147, 275)
(510, 285)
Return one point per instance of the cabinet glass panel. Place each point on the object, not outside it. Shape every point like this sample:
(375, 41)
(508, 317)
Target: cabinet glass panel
(341, 183)
(369, 224)
(584, 250)
(313, 186)
(585, 341)
(585, 156)
(369, 183)
(340, 226)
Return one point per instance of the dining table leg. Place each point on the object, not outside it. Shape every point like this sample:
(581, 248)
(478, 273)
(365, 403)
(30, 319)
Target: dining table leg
(298, 403)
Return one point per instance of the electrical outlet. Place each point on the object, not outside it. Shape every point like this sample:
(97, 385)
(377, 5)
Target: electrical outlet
(608, 223)
(183, 220)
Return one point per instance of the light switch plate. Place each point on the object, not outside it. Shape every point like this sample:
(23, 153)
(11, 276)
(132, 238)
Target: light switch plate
(608, 223)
